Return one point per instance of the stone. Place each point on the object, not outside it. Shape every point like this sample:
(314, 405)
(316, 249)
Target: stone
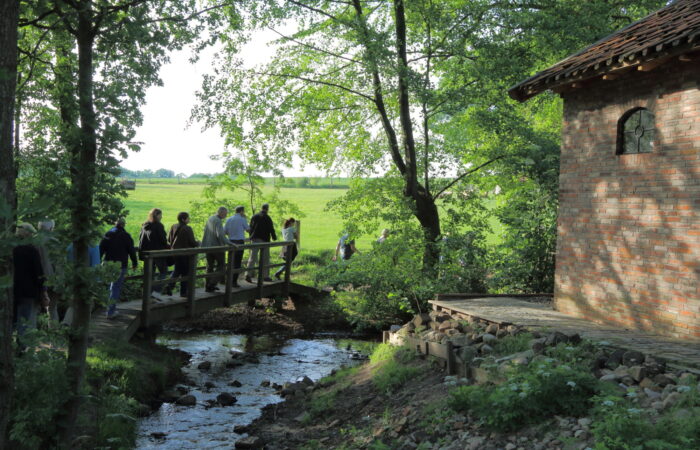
(584, 422)
(654, 365)
(235, 383)
(574, 338)
(240, 429)
(249, 442)
(653, 395)
(611, 377)
(306, 380)
(410, 326)
(648, 383)
(159, 435)
(265, 383)
(663, 380)
(638, 373)
(435, 326)
(538, 345)
(492, 329)
(421, 319)
(460, 340)
(226, 399)
(488, 338)
(658, 405)
(615, 359)
(485, 349)
(452, 332)
(205, 365)
(672, 399)
(170, 396)
(513, 330)
(187, 400)
(233, 364)
(466, 354)
(511, 446)
(686, 378)
(209, 385)
(475, 442)
(621, 371)
(518, 359)
(501, 333)
(599, 361)
(632, 358)
(556, 338)
(448, 324)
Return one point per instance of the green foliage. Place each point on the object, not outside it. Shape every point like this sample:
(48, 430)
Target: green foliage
(620, 425)
(40, 390)
(508, 345)
(321, 404)
(530, 395)
(387, 284)
(391, 369)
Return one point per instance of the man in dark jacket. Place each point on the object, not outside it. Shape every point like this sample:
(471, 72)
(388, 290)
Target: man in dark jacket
(28, 283)
(153, 237)
(261, 230)
(117, 246)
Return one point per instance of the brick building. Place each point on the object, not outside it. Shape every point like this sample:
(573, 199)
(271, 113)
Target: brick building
(628, 244)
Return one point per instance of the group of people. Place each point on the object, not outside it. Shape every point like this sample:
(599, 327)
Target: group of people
(118, 246)
(33, 264)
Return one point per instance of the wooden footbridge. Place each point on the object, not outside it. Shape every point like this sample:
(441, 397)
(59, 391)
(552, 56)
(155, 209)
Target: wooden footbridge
(154, 308)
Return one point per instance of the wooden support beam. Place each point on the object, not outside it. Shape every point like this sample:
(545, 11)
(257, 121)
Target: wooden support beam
(229, 278)
(650, 65)
(191, 285)
(610, 77)
(146, 294)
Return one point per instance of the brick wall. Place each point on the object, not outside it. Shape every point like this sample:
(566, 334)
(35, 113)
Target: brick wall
(628, 247)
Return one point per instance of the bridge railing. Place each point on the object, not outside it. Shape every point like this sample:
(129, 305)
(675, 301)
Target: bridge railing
(228, 273)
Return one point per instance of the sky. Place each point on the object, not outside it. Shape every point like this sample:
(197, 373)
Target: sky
(167, 140)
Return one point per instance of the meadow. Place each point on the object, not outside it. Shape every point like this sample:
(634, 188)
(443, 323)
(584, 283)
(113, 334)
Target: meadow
(320, 229)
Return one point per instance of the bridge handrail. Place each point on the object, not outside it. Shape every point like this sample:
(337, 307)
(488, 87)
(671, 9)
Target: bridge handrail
(193, 253)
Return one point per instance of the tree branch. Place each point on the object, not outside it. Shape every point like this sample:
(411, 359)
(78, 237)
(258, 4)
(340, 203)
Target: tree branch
(321, 82)
(467, 173)
(313, 47)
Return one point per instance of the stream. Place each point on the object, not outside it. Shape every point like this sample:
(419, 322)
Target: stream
(203, 426)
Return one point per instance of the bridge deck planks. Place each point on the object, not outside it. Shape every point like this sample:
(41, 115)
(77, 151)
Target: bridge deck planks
(164, 308)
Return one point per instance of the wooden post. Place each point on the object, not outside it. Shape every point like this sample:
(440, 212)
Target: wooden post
(229, 278)
(147, 287)
(298, 225)
(427, 348)
(191, 285)
(450, 359)
(260, 273)
(287, 271)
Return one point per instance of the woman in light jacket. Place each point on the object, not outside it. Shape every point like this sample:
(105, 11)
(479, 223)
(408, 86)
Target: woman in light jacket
(289, 233)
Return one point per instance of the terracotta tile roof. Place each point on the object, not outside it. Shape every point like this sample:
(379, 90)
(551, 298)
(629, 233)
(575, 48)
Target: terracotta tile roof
(670, 31)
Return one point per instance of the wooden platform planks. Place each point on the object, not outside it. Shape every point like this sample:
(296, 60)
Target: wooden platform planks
(165, 308)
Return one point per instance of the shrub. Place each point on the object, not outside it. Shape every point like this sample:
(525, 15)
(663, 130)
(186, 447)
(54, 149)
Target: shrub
(619, 425)
(508, 345)
(391, 371)
(532, 394)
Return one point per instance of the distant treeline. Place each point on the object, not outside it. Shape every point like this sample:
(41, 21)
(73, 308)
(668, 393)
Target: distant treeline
(160, 173)
(310, 182)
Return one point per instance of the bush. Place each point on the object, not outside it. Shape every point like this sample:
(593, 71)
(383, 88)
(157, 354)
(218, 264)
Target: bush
(391, 371)
(531, 395)
(387, 285)
(508, 345)
(618, 425)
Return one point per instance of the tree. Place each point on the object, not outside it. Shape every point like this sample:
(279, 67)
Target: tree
(9, 17)
(125, 42)
(410, 90)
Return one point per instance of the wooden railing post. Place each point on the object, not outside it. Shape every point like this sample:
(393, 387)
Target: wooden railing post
(147, 287)
(450, 359)
(261, 270)
(287, 270)
(191, 285)
(229, 277)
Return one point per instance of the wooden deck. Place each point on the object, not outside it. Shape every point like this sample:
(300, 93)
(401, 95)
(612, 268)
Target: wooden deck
(165, 308)
(537, 316)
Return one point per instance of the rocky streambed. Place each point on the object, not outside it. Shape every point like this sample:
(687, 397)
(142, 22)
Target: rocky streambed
(230, 378)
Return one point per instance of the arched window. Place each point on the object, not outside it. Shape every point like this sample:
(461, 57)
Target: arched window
(635, 132)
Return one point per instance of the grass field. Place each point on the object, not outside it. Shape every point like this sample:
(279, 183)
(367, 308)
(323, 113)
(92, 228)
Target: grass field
(319, 230)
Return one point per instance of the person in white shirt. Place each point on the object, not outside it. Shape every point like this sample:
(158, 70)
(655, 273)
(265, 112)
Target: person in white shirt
(289, 233)
(235, 228)
(382, 237)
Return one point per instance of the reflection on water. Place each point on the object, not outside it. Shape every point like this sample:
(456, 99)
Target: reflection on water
(201, 426)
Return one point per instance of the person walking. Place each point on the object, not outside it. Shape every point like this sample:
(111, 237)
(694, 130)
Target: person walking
(346, 248)
(214, 236)
(153, 237)
(382, 237)
(289, 253)
(235, 228)
(46, 245)
(181, 236)
(261, 230)
(30, 293)
(118, 246)
(93, 261)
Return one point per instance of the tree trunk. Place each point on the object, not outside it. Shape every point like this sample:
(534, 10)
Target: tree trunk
(83, 170)
(9, 17)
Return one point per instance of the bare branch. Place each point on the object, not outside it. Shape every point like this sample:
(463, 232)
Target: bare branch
(465, 174)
